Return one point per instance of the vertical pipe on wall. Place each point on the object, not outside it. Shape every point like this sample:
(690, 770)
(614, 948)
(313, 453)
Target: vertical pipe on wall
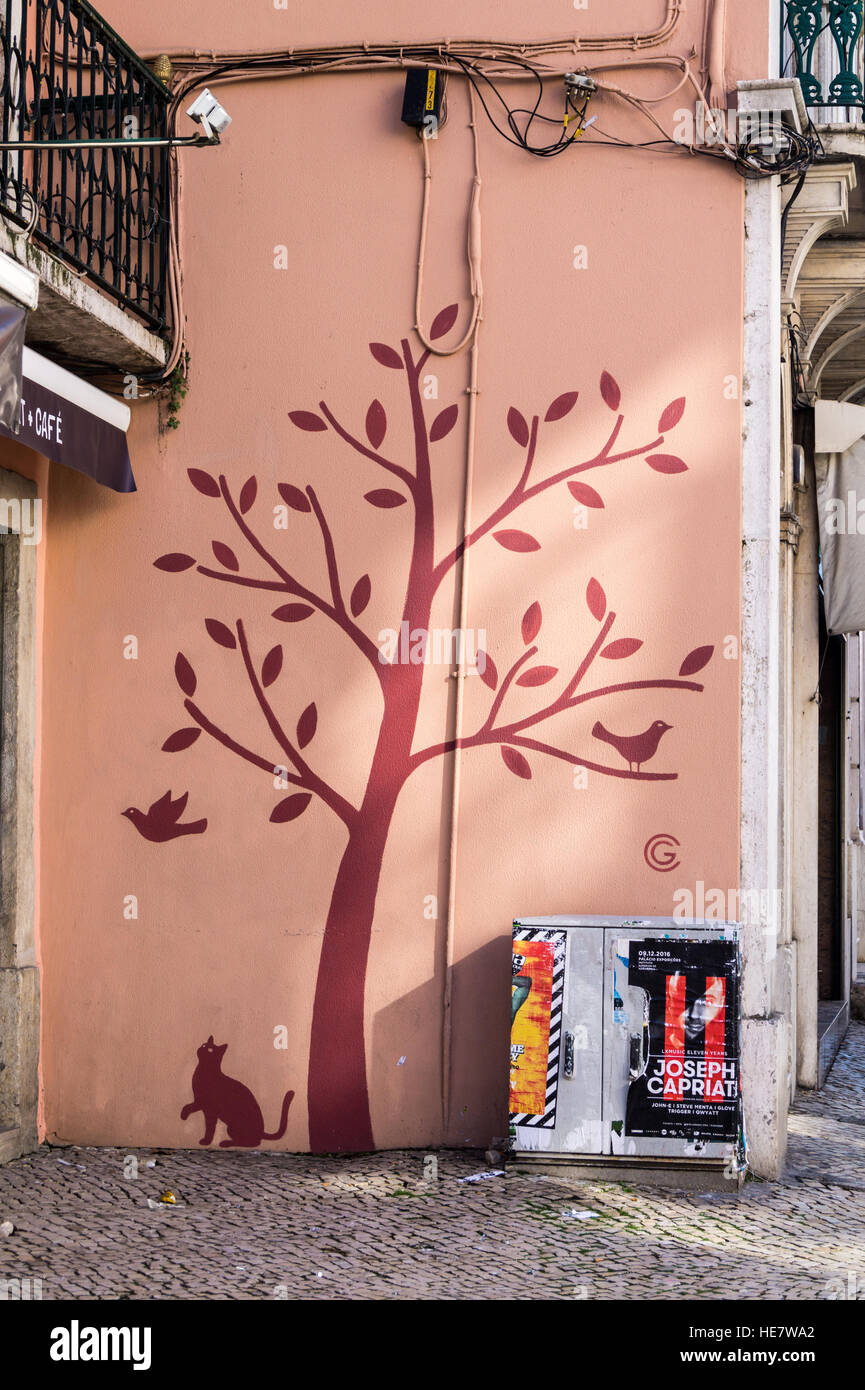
(716, 57)
(474, 257)
(447, 1002)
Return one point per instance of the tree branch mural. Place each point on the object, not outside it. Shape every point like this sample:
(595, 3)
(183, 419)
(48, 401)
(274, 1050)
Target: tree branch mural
(339, 1115)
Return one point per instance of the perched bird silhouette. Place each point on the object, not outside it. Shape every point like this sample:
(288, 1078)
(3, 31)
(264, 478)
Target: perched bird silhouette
(162, 821)
(637, 748)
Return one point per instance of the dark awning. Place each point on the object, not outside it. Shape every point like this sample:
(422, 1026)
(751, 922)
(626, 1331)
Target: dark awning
(71, 422)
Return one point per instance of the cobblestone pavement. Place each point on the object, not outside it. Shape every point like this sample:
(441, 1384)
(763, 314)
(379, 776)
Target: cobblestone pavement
(269, 1225)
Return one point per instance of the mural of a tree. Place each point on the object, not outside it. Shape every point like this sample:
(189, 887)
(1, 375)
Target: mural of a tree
(339, 1114)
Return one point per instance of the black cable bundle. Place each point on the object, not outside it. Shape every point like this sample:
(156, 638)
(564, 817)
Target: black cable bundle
(793, 161)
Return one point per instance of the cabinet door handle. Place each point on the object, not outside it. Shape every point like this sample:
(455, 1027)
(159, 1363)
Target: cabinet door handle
(569, 1054)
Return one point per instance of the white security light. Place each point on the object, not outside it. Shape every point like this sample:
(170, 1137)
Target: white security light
(209, 114)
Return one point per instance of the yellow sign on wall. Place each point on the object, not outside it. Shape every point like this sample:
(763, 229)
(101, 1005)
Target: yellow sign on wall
(531, 1002)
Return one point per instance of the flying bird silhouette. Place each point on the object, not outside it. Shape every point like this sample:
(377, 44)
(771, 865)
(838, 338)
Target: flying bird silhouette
(636, 749)
(162, 821)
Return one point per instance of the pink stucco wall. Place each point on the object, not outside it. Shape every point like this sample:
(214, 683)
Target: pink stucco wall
(229, 927)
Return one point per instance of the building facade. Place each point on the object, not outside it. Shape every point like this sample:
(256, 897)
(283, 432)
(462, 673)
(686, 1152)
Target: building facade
(473, 566)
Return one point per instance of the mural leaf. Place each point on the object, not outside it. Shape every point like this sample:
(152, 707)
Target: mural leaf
(293, 612)
(203, 481)
(306, 725)
(561, 406)
(306, 420)
(174, 563)
(360, 595)
(384, 497)
(386, 356)
(444, 321)
(220, 633)
(247, 495)
(291, 807)
(225, 555)
(271, 666)
(610, 391)
(443, 423)
(516, 540)
(176, 743)
(666, 463)
(672, 415)
(487, 669)
(515, 762)
(294, 497)
(538, 675)
(376, 424)
(696, 660)
(581, 492)
(596, 599)
(518, 427)
(625, 646)
(185, 675)
(531, 623)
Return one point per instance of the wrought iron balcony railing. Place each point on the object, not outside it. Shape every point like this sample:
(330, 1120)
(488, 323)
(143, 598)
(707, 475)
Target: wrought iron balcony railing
(823, 46)
(67, 76)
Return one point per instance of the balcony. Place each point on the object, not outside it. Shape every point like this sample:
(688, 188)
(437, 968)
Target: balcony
(91, 223)
(822, 44)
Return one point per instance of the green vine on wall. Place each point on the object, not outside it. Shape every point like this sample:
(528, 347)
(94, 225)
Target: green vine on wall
(177, 387)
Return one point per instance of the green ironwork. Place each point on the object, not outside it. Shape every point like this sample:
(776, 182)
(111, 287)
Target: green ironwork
(845, 23)
(805, 21)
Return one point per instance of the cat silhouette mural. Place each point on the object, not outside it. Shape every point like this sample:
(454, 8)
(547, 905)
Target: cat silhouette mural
(222, 1098)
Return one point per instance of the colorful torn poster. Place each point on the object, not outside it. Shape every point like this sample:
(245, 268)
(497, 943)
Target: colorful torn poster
(536, 1020)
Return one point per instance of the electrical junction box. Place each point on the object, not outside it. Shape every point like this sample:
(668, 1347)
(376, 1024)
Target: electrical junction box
(423, 97)
(625, 1048)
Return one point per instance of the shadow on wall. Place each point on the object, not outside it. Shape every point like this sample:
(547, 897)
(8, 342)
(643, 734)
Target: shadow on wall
(480, 1033)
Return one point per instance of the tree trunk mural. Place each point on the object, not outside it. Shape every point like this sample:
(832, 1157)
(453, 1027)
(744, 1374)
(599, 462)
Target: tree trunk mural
(339, 1113)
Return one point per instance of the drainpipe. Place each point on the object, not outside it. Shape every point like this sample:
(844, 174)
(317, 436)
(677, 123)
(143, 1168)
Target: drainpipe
(717, 45)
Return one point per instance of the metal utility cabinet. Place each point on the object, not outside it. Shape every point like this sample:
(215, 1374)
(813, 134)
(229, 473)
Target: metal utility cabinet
(625, 1047)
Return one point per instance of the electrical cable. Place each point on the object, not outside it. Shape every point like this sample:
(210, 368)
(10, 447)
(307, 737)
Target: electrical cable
(517, 137)
(482, 48)
(800, 184)
(482, 65)
(473, 249)
(795, 335)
